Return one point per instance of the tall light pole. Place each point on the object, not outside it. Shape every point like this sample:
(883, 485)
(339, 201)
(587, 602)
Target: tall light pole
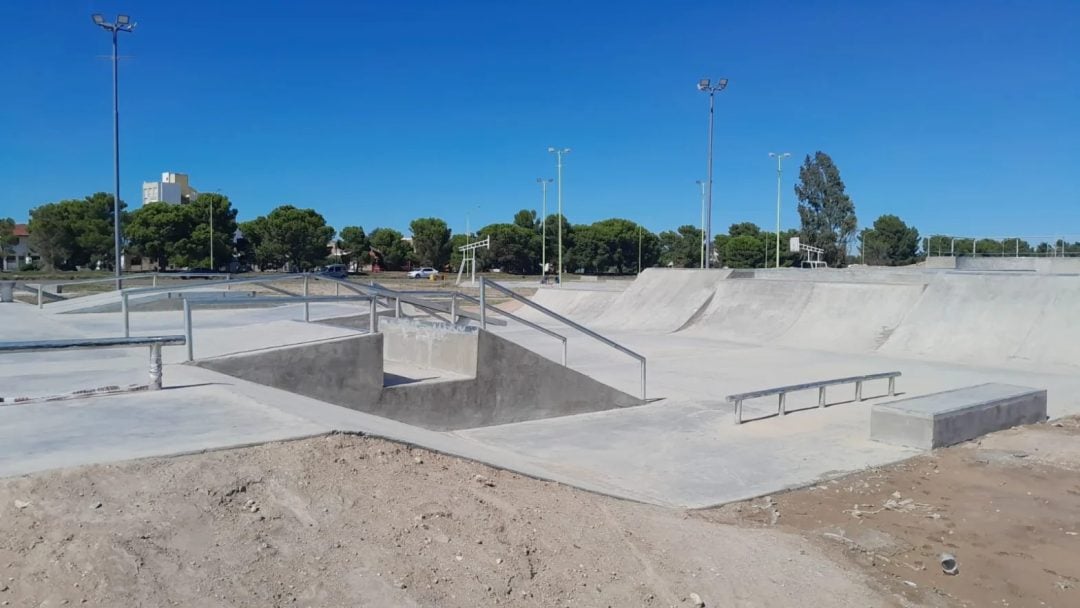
(559, 152)
(122, 24)
(779, 174)
(543, 225)
(211, 201)
(706, 86)
(701, 245)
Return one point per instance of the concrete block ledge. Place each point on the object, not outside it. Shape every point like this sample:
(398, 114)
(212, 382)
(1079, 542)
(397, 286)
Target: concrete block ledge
(941, 419)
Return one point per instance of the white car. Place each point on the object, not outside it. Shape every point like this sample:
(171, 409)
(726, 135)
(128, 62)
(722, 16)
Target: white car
(423, 273)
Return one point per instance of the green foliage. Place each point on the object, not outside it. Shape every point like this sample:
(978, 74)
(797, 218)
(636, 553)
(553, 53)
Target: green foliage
(744, 251)
(890, 242)
(514, 249)
(395, 251)
(763, 252)
(612, 246)
(354, 241)
(681, 248)
(827, 213)
(76, 232)
(289, 236)
(7, 234)
(431, 241)
(155, 230)
(179, 235)
(456, 242)
(526, 218)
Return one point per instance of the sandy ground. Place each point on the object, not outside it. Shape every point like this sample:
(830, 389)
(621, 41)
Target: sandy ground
(352, 521)
(1007, 507)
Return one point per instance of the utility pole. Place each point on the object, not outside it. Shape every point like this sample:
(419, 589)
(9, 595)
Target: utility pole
(558, 155)
(122, 24)
(705, 86)
(779, 176)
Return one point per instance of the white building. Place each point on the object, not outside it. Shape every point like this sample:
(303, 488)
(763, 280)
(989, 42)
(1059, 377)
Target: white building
(20, 252)
(173, 189)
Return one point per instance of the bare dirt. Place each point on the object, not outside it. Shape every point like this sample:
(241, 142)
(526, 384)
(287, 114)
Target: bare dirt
(1007, 506)
(344, 520)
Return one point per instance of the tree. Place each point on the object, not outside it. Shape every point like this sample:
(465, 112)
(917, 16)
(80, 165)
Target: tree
(75, 232)
(7, 235)
(431, 241)
(390, 243)
(744, 251)
(612, 245)
(827, 213)
(890, 242)
(513, 248)
(290, 236)
(354, 242)
(681, 248)
(526, 218)
(155, 229)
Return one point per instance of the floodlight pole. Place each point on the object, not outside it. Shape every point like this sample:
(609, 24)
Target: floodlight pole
(559, 154)
(779, 176)
(122, 24)
(543, 226)
(704, 85)
(701, 244)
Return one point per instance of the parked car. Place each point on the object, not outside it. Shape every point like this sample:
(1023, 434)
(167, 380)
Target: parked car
(423, 273)
(336, 271)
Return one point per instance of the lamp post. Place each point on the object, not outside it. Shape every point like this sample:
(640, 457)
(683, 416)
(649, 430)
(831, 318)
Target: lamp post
(543, 225)
(559, 152)
(122, 24)
(779, 176)
(706, 86)
(701, 245)
(211, 201)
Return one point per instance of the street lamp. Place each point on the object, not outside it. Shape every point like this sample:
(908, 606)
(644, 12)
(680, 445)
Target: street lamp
(543, 226)
(559, 152)
(779, 174)
(123, 24)
(701, 245)
(706, 86)
(210, 199)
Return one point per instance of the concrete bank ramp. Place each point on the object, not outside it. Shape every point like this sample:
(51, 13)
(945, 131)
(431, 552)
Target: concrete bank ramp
(661, 299)
(443, 377)
(580, 305)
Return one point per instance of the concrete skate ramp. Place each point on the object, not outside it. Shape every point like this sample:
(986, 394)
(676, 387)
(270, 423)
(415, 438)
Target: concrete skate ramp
(580, 305)
(457, 377)
(751, 311)
(851, 316)
(662, 299)
(1048, 265)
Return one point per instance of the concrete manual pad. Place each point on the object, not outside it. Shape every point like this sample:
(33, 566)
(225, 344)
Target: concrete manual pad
(943, 419)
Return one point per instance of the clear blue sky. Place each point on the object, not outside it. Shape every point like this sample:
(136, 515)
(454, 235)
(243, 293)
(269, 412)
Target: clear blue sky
(957, 116)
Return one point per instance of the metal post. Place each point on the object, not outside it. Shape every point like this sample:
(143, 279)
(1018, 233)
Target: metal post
(738, 412)
(453, 308)
(124, 311)
(116, 158)
(373, 316)
(483, 303)
(564, 352)
(821, 396)
(643, 394)
(397, 308)
(783, 404)
(779, 178)
(558, 155)
(701, 245)
(155, 366)
(187, 330)
(892, 386)
(858, 390)
(337, 289)
(154, 280)
(307, 305)
(41, 296)
(543, 227)
(709, 182)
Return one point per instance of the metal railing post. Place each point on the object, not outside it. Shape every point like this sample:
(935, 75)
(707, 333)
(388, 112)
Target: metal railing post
(642, 380)
(783, 404)
(892, 387)
(307, 305)
(738, 412)
(187, 330)
(154, 281)
(858, 390)
(40, 296)
(373, 317)
(483, 303)
(821, 397)
(397, 308)
(564, 352)
(155, 366)
(124, 311)
(453, 308)
(337, 289)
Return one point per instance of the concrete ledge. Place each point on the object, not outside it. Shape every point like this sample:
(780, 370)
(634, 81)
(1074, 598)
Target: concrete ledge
(941, 419)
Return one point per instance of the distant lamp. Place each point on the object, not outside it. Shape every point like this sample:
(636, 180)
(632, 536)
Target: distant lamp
(123, 19)
(98, 18)
(703, 84)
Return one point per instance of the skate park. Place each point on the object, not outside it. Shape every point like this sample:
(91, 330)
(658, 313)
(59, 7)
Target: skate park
(518, 388)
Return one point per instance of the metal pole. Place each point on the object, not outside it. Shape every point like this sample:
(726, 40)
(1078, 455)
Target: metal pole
(155, 366)
(373, 317)
(643, 399)
(453, 308)
(543, 228)
(187, 330)
(701, 245)
(307, 306)
(559, 155)
(116, 158)
(483, 303)
(124, 311)
(709, 182)
(639, 249)
(212, 233)
(779, 178)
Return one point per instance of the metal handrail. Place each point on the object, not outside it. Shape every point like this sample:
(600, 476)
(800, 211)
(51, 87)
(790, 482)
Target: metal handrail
(513, 317)
(485, 283)
(154, 342)
(782, 391)
(130, 277)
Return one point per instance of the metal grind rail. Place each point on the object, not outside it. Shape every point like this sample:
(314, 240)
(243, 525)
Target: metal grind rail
(486, 283)
(154, 342)
(39, 288)
(782, 391)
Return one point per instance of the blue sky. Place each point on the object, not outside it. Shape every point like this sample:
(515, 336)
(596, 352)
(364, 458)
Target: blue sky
(959, 117)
